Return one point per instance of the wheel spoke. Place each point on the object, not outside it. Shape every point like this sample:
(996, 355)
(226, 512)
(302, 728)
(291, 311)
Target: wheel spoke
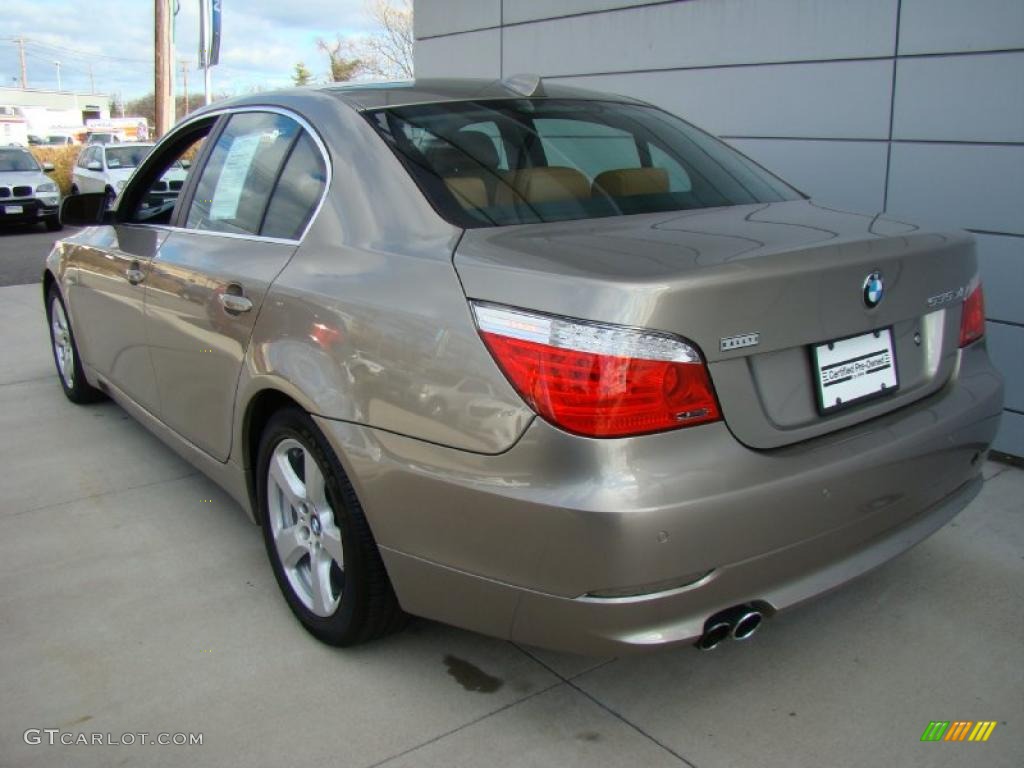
(285, 478)
(320, 583)
(291, 545)
(315, 492)
(331, 540)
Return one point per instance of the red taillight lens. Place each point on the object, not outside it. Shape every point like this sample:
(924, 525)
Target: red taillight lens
(972, 321)
(599, 380)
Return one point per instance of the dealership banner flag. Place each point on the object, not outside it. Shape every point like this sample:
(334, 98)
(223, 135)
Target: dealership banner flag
(215, 34)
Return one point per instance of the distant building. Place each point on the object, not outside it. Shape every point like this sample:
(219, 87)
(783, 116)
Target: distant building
(49, 112)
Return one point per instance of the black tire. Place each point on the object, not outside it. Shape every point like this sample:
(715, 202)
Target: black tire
(367, 608)
(79, 390)
(53, 224)
(111, 196)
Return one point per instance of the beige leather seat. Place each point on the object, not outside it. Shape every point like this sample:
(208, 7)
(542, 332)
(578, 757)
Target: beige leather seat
(542, 185)
(470, 191)
(462, 173)
(631, 181)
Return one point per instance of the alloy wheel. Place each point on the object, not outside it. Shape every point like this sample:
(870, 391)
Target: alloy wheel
(306, 537)
(63, 349)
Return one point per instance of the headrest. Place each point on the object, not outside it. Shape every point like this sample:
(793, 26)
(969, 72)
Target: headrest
(478, 146)
(470, 191)
(631, 181)
(447, 160)
(543, 185)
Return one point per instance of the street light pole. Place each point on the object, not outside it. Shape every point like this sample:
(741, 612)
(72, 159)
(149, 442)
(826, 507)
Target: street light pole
(57, 65)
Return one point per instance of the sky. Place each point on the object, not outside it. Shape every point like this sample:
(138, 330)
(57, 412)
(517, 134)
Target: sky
(260, 43)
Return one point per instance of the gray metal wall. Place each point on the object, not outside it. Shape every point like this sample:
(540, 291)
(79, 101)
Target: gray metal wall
(915, 107)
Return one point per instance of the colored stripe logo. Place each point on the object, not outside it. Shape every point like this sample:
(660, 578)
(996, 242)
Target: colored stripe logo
(958, 730)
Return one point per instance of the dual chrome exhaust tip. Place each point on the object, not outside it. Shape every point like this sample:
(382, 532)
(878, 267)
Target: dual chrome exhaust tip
(739, 623)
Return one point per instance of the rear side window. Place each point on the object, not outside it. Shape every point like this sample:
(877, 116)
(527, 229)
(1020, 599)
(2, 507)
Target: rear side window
(236, 184)
(297, 192)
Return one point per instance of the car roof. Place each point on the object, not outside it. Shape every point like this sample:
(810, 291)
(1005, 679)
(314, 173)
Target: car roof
(363, 96)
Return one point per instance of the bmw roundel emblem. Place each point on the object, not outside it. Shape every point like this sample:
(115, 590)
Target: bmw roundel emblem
(874, 289)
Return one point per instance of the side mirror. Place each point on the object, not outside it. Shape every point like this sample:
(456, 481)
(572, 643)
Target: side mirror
(94, 165)
(85, 210)
(47, 167)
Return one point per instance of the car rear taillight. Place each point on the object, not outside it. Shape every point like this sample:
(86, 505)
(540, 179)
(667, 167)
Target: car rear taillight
(598, 380)
(972, 321)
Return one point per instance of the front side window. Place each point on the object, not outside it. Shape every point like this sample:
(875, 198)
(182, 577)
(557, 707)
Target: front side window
(235, 186)
(517, 161)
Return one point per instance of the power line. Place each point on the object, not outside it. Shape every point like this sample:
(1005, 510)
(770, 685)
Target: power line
(75, 52)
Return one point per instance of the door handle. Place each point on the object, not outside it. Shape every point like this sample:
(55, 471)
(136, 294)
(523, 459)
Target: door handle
(134, 274)
(235, 304)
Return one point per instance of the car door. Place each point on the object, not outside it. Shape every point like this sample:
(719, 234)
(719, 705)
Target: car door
(85, 177)
(107, 282)
(107, 295)
(260, 183)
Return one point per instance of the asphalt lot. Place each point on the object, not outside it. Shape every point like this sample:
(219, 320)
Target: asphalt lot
(23, 250)
(135, 597)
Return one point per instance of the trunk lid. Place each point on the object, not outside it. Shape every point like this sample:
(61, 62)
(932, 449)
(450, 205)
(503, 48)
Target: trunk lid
(793, 273)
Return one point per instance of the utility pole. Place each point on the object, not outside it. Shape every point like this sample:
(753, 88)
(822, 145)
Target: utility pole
(184, 81)
(162, 69)
(92, 81)
(57, 65)
(21, 55)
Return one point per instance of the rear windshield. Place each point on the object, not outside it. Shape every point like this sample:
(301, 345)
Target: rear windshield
(520, 161)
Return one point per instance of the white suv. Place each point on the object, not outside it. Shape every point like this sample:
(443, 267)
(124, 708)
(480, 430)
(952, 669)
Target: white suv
(26, 194)
(106, 168)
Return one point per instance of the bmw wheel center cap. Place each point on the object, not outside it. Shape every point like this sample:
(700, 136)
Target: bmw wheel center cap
(874, 289)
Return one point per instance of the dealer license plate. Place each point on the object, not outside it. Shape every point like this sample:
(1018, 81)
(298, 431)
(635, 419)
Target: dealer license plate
(852, 370)
(14, 209)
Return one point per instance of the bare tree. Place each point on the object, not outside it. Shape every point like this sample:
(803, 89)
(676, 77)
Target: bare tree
(388, 50)
(344, 64)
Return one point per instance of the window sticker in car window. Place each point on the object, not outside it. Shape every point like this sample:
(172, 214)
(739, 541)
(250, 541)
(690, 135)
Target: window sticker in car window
(228, 192)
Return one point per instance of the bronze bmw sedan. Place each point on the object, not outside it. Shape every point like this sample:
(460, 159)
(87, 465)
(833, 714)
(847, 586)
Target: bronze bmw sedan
(547, 364)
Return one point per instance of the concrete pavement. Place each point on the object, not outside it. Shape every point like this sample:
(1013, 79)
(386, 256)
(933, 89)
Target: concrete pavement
(136, 597)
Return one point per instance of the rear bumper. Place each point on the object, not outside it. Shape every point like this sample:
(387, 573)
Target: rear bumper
(686, 523)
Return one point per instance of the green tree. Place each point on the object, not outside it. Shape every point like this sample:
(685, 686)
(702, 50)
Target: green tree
(302, 75)
(344, 66)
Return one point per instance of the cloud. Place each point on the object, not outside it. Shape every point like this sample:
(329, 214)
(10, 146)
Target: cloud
(261, 42)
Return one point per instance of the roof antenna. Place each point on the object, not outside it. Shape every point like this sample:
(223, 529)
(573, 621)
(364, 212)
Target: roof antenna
(524, 84)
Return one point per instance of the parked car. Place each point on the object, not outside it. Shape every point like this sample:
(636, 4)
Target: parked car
(27, 195)
(58, 140)
(103, 137)
(106, 168)
(678, 395)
